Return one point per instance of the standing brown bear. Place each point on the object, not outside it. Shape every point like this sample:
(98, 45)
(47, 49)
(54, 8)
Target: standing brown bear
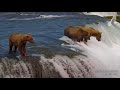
(92, 32)
(76, 34)
(19, 41)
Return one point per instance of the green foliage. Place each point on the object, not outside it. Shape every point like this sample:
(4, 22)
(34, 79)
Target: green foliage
(117, 18)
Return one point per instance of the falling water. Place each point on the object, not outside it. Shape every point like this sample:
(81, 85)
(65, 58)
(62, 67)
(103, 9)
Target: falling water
(105, 55)
(97, 59)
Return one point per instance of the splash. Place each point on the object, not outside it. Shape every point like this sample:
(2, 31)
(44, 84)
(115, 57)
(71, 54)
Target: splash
(102, 59)
(102, 14)
(104, 55)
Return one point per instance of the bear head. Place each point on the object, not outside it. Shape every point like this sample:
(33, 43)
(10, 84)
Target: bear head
(28, 37)
(98, 36)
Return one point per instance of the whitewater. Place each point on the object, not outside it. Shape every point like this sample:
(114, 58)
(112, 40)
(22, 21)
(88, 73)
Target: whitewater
(101, 14)
(97, 59)
(104, 55)
(39, 17)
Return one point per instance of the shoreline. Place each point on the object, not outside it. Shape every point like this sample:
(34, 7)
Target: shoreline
(110, 17)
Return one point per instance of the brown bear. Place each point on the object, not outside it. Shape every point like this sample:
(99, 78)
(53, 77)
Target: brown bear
(91, 31)
(19, 41)
(76, 34)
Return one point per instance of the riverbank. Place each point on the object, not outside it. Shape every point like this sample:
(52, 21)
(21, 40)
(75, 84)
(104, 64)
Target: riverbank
(117, 18)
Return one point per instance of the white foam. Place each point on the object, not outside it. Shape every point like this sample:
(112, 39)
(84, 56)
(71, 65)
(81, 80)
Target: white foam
(26, 14)
(102, 14)
(60, 69)
(52, 16)
(105, 53)
(39, 17)
(69, 67)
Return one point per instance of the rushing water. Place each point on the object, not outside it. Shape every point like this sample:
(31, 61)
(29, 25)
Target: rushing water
(53, 54)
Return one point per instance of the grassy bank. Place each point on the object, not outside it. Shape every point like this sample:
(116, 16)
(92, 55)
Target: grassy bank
(117, 19)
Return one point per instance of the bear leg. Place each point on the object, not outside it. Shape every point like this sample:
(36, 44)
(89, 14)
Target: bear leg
(21, 51)
(24, 49)
(15, 49)
(10, 48)
(78, 40)
(85, 39)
